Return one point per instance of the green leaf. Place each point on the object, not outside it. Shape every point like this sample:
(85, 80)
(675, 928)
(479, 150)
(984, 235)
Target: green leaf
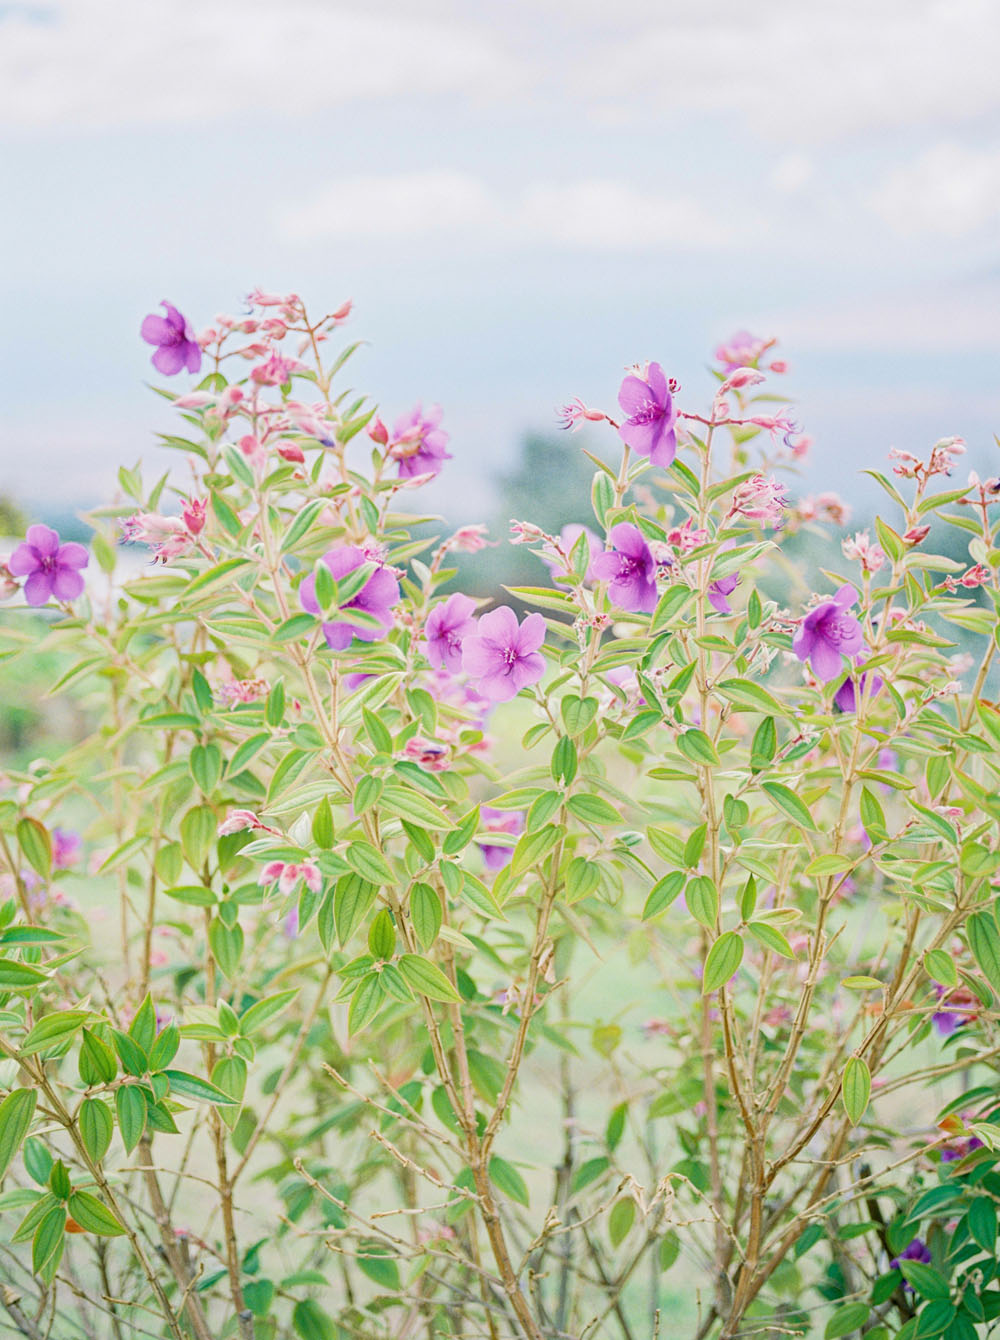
(142, 1029)
(983, 1223)
(247, 751)
(427, 978)
(47, 1244)
(508, 1179)
(367, 1000)
(301, 524)
(620, 1220)
(36, 844)
(702, 898)
(593, 810)
(662, 894)
(200, 1090)
(53, 1031)
(226, 944)
(670, 1249)
(97, 1062)
(91, 1215)
(589, 1172)
(856, 1087)
(771, 938)
(926, 1281)
(310, 1322)
(263, 1011)
(221, 572)
(582, 878)
(352, 900)
(130, 1107)
(375, 1261)
(16, 1112)
(984, 941)
(695, 745)
(17, 976)
(205, 762)
(789, 804)
(723, 959)
(96, 1127)
(426, 913)
(850, 1317)
(195, 895)
(939, 965)
(578, 713)
(131, 1055)
(382, 935)
(369, 863)
(746, 693)
(534, 847)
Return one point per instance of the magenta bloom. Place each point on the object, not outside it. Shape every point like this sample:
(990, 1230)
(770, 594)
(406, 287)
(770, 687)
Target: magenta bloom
(177, 347)
(503, 656)
(629, 568)
(378, 595)
(719, 590)
(52, 569)
(446, 626)
(418, 443)
(828, 633)
(499, 821)
(649, 428)
(67, 848)
(846, 697)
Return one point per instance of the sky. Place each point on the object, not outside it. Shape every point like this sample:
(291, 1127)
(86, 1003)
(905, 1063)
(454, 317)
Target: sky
(521, 198)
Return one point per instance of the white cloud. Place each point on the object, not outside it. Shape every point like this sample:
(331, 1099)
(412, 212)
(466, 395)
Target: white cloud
(590, 215)
(951, 190)
(805, 73)
(932, 321)
(86, 64)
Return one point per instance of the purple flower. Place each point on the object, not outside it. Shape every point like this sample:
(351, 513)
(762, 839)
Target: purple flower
(50, 567)
(503, 656)
(629, 568)
(916, 1251)
(846, 697)
(418, 443)
(177, 347)
(649, 428)
(66, 848)
(719, 590)
(446, 626)
(378, 595)
(499, 821)
(827, 633)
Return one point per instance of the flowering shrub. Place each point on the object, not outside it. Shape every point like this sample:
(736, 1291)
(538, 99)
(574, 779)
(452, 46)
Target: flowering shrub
(397, 877)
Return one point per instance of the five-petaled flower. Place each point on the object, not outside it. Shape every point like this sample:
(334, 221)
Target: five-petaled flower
(650, 427)
(176, 345)
(447, 624)
(629, 568)
(418, 444)
(503, 656)
(828, 633)
(52, 569)
(377, 597)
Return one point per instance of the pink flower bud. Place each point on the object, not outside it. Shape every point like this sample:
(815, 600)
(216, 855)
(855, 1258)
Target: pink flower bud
(916, 534)
(291, 451)
(238, 821)
(378, 432)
